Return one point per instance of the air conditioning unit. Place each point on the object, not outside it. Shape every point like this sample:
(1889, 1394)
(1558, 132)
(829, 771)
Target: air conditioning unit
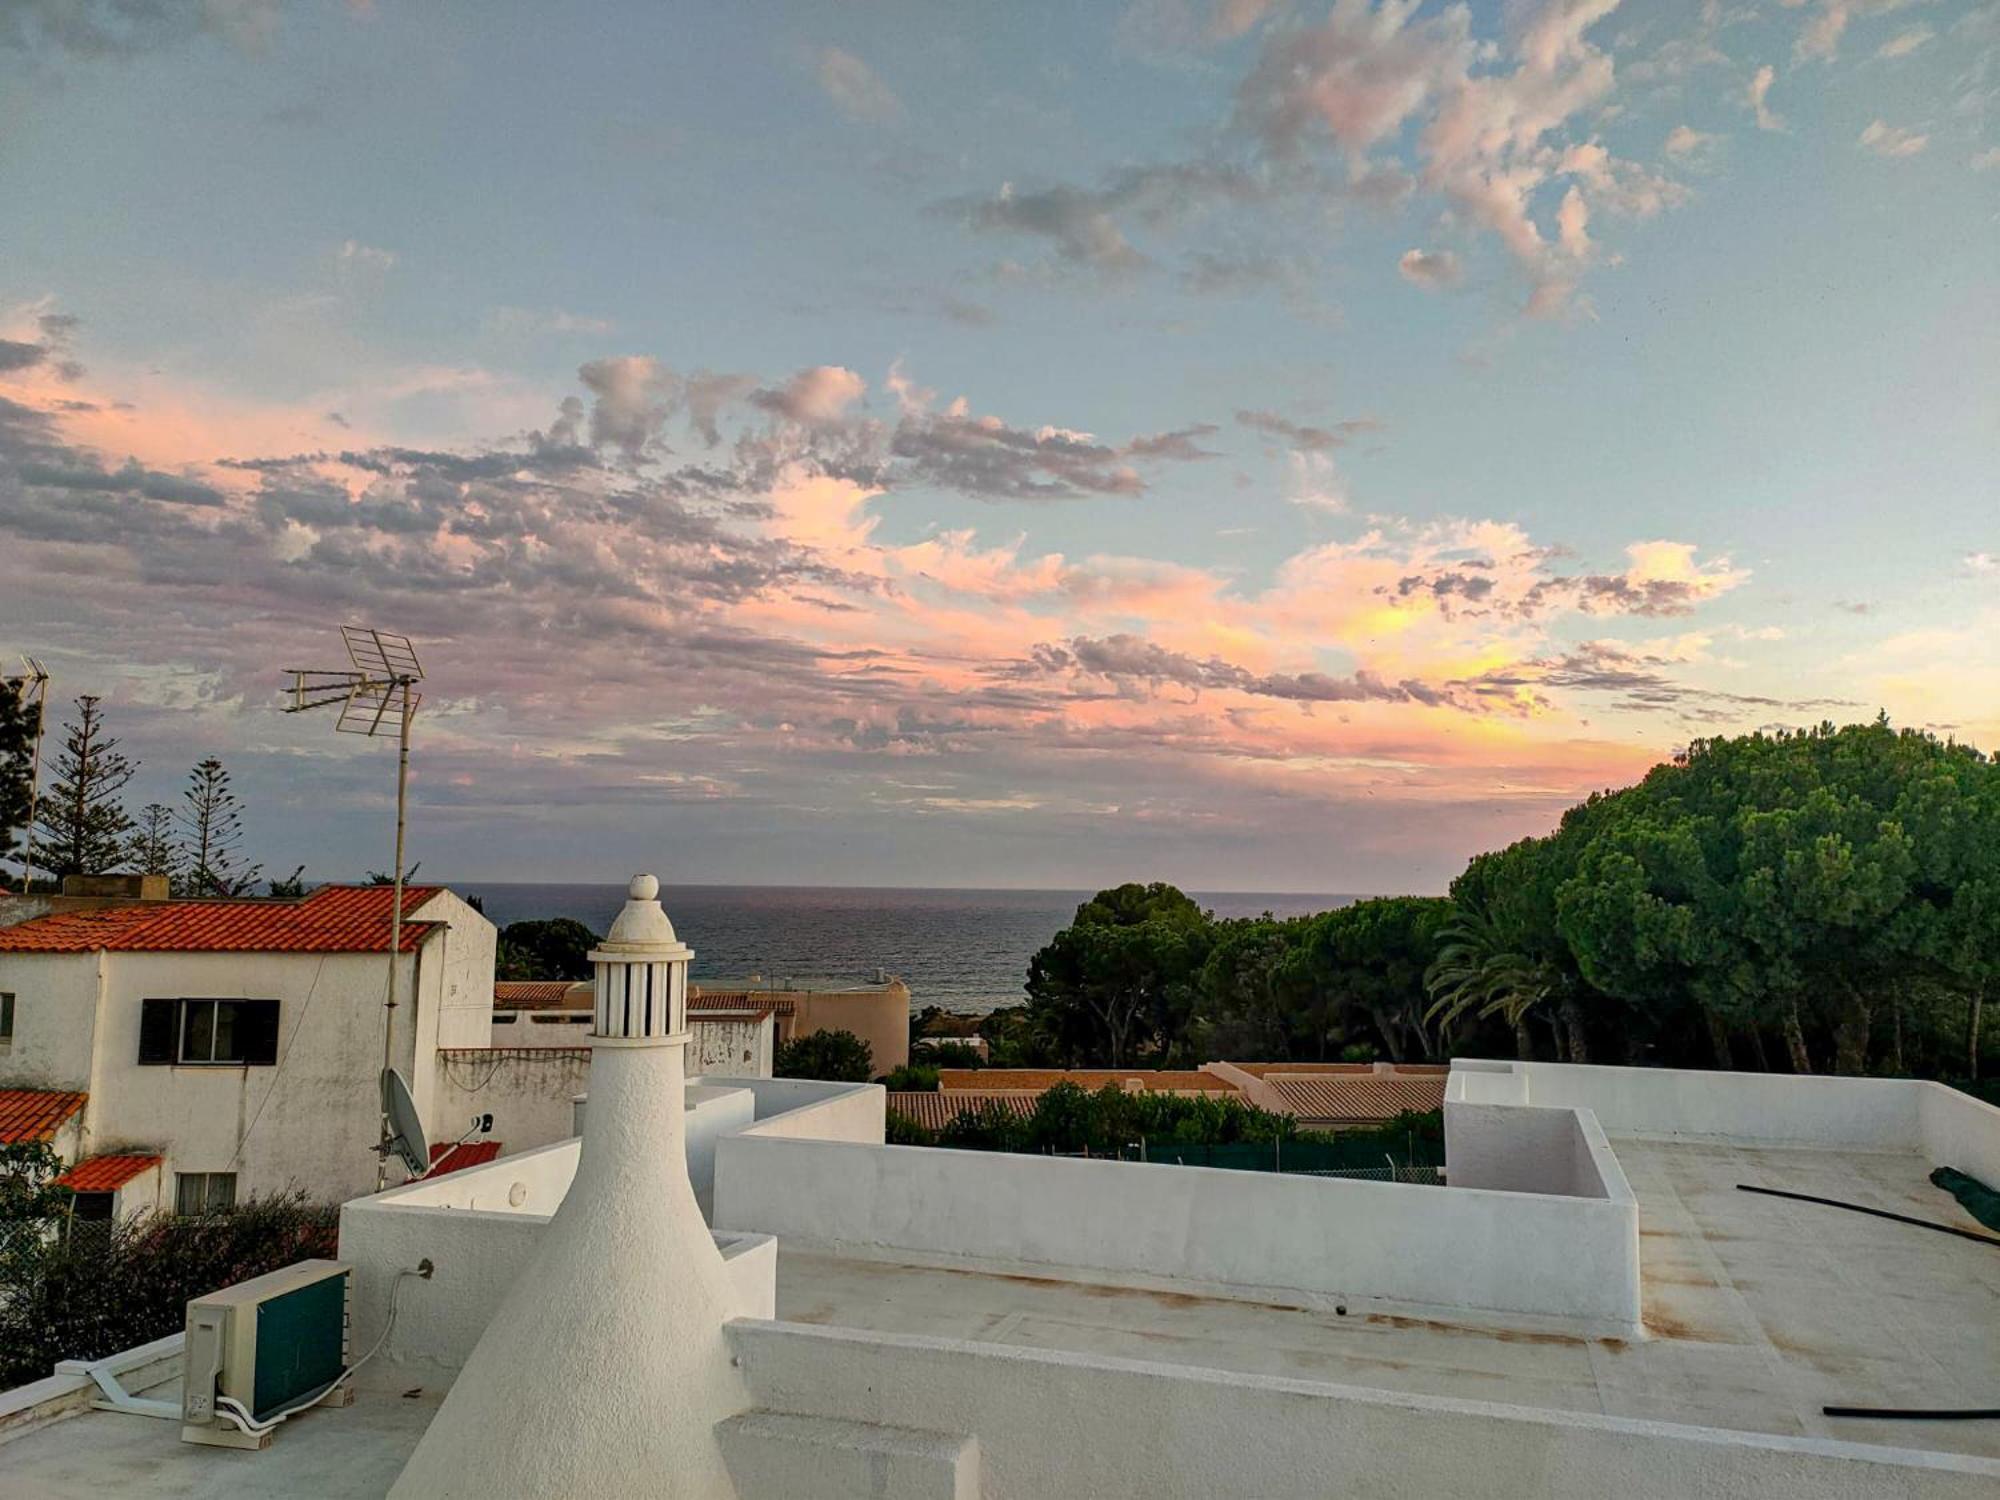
(262, 1349)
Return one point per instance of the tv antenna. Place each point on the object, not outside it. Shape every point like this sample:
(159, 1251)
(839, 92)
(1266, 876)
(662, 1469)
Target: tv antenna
(34, 686)
(376, 695)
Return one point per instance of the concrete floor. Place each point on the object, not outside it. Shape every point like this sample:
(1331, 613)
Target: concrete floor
(1761, 1310)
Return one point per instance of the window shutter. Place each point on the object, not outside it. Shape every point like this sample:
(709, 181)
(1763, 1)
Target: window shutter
(257, 1031)
(159, 1025)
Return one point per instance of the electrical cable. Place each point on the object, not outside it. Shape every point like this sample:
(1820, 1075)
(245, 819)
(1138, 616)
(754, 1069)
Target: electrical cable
(1880, 1213)
(232, 1410)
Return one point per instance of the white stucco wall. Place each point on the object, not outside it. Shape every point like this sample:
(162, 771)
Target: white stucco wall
(1813, 1110)
(1525, 1149)
(55, 1019)
(1462, 1249)
(528, 1091)
(1053, 1424)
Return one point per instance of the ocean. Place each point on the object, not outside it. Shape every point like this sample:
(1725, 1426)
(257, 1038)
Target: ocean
(960, 950)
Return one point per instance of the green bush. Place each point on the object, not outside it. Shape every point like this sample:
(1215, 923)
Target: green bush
(83, 1295)
(949, 1054)
(833, 1056)
(911, 1078)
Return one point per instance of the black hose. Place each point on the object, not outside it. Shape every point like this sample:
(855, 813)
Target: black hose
(1880, 1213)
(1916, 1414)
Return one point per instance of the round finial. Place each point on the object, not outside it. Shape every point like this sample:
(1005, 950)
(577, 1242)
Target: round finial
(643, 888)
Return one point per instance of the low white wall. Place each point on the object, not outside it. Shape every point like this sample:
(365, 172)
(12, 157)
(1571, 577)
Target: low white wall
(809, 1108)
(476, 1257)
(1453, 1248)
(1523, 1149)
(1866, 1114)
(1060, 1424)
(1949, 1128)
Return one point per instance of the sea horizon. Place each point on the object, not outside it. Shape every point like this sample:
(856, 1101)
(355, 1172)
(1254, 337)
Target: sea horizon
(962, 948)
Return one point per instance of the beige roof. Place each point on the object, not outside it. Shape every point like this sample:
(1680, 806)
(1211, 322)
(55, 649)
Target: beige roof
(1320, 1098)
(1152, 1080)
(934, 1110)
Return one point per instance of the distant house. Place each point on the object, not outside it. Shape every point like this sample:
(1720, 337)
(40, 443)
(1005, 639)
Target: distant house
(203, 1051)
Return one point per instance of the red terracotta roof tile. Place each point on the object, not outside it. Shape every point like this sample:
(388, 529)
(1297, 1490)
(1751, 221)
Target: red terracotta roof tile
(1152, 1080)
(35, 1114)
(739, 1000)
(333, 919)
(105, 1174)
(541, 994)
(449, 1157)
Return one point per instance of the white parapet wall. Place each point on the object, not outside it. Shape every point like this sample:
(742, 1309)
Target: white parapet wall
(1948, 1128)
(479, 1226)
(1569, 1255)
(1051, 1423)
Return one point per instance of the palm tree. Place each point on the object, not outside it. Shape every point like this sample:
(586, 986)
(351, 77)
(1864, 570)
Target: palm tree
(1477, 974)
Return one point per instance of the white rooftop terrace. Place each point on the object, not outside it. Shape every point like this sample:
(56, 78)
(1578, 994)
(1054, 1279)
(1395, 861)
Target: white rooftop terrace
(1113, 1378)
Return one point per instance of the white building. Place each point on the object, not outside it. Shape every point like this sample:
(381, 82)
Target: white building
(240, 1042)
(184, 1054)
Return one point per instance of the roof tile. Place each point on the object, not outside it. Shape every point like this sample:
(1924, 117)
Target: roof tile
(333, 919)
(35, 1114)
(105, 1174)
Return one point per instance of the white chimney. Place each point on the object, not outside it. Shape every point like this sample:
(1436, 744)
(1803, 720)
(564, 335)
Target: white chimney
(605, 1370)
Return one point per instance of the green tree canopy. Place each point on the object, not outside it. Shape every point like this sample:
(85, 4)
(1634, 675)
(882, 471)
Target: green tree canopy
(549, 949)
(82, 822)
(834, 1056)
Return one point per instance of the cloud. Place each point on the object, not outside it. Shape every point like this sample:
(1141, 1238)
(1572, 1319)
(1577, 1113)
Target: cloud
(676, 567)
(1487, 117)
(855, 90)
(1430, 269)
(1982, 562)
(1685, 143)
(1083, 224)
(1308, 439)
(1827, 22)
(526, 322)
(818, 397)
(1903, 43)
(1892, 140)
(1758, 93)
(123, 28)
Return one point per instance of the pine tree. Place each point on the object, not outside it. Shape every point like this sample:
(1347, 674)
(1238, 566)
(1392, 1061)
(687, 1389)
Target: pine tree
(153, 849)
(82, 822)
(211, 822)
(18, 721)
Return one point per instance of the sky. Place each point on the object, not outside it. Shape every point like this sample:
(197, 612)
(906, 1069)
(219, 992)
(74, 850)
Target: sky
(1262, 446)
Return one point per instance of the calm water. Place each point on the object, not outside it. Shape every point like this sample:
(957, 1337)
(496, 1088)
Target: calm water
(963, 950)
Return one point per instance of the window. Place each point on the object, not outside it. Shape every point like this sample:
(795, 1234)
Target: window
(6, 1021)
(91, 1208)
(228, 1033)
(197, 1193)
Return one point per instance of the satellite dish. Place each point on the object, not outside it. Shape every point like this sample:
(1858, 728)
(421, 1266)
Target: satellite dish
(406, 1131)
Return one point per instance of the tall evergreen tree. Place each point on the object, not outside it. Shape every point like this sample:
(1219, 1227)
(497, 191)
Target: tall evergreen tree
(82, 822)
(153, 849)
(211, 822)
(18, 720)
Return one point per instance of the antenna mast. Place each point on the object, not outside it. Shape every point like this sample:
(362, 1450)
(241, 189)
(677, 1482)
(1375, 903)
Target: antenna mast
(380, 689)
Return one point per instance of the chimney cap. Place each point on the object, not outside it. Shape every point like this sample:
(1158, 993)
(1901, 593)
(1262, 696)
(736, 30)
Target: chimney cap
(641, 931)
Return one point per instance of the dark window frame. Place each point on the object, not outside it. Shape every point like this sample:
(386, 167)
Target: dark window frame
(8, 1007)
(165, 1027)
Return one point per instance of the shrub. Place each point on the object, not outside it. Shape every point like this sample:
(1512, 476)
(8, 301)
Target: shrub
(912, 1078)
(949, 1054)
(83, 1296)
(833, 1056)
